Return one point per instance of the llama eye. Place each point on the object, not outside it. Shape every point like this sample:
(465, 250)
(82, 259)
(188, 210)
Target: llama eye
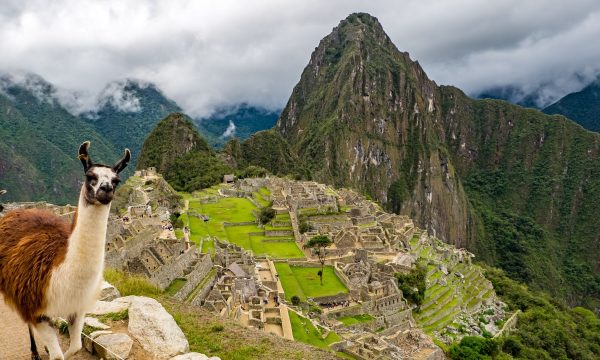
(92, 179)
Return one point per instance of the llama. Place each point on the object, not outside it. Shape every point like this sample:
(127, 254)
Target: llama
(50, 268)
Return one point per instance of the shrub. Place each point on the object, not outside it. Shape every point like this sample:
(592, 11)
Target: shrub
(266, 214)
(295, 300)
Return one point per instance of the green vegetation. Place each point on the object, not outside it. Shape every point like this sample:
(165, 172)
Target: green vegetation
(175, 286)
(582, 106)
(474, 348)
(38, 143)
(177, 151)
(235, 212)
(302, 281)
(268, 150)
(247, 119)
(320, 242)
(209, 334)
(266, 214)
(304, 331)
(356, 319)
(546, 329)
(129, 284)
(413, 284)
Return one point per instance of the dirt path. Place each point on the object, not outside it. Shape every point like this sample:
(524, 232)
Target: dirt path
(14, 338)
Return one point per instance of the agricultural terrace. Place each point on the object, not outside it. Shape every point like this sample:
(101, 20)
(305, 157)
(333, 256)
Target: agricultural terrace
(304, 281)
(228, 218)
(304, 331)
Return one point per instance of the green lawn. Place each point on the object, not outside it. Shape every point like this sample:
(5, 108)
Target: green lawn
(304, 331)
(356, 319)
(175, 286)
(262, 200)
(240, 235)
(224, 210)
(304, 282)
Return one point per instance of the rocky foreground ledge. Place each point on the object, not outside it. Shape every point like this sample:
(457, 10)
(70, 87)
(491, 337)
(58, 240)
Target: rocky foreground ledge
(140, 328)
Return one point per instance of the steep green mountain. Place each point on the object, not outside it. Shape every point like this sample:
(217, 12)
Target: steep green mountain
(518, 187)
(239, 121)
(127, 111)
(39, 141)
(582, 106)
(176, 149)
(268, 150)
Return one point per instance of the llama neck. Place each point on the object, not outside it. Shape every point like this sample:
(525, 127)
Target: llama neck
(87, 241)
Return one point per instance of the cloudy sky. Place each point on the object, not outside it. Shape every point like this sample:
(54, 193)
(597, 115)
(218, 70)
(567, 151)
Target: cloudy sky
(205, 54)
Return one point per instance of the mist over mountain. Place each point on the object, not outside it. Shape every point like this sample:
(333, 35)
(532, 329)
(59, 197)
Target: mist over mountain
(581, 106)
(39, 140)
(238, 121)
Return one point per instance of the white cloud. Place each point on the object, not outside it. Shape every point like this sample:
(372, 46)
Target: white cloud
(230, 131)
(209, 54)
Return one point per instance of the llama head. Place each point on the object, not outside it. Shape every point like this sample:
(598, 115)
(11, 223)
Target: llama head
(100, 180)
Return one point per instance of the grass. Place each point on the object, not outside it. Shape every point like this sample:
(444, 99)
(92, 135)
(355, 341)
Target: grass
(304, 331)
(128, 284)
(209, 334)
(175, 286)
(304, 282)
(260, 245)
(356, 319)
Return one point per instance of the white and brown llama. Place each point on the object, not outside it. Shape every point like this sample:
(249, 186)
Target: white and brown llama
(50, 268)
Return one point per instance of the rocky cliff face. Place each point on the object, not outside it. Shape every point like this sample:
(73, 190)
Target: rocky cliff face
(518, 187)
(367, 116)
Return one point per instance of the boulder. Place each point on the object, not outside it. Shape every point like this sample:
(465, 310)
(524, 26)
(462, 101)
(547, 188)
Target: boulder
(113, 346)
(108, 292)
(154, 328)
(87, 342)
(191, 356)
(95, 323)
(108, 307)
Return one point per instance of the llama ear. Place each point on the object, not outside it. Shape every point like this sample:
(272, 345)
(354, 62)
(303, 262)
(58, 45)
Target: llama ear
(84, 157)
(2, 192)
(122, 164)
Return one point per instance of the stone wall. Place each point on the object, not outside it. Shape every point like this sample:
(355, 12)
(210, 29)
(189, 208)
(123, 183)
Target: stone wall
(289, 233)
(206, 288)
(195, 277)
(169, 272)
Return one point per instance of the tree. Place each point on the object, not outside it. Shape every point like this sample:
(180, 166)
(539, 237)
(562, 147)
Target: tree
(295, 300)
(320, 242)
(413, 284)
(266, 214)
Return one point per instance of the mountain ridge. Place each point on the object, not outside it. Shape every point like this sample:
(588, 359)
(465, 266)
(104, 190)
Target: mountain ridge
(512, 184)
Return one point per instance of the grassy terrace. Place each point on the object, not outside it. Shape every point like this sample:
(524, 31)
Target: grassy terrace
(304, 281)
(277, 247)
(356, 319)
(234, 211)
(175, 286)
(304, 331)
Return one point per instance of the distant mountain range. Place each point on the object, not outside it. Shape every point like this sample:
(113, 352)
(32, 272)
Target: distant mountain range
(239, 121)
(581, 106)
(39, 135)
